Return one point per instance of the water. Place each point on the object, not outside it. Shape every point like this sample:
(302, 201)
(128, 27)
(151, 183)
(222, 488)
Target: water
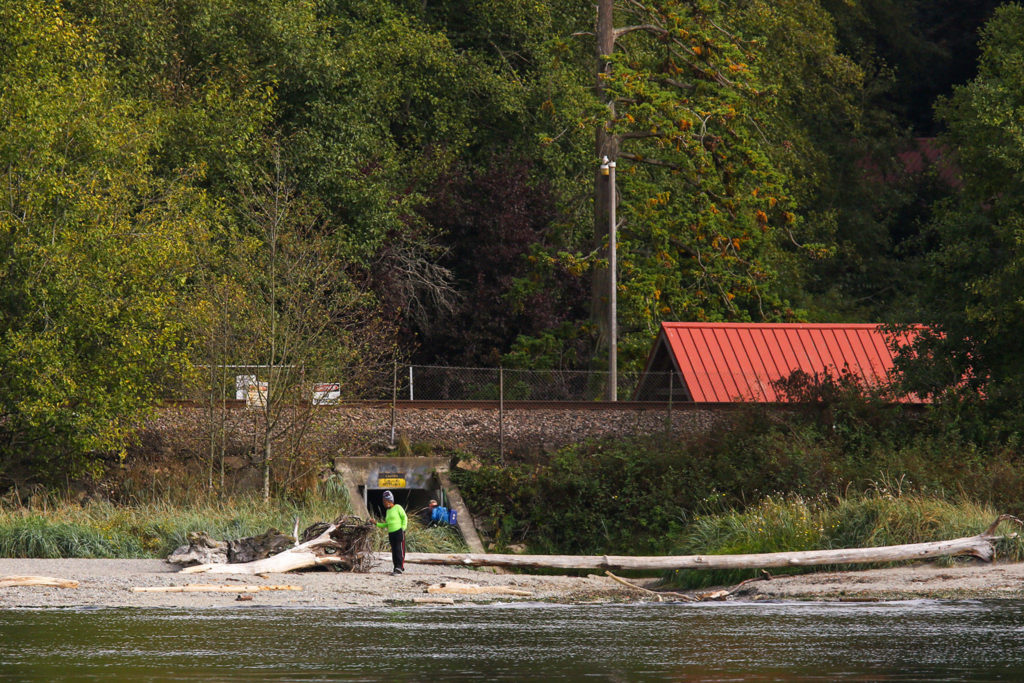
(903, 641)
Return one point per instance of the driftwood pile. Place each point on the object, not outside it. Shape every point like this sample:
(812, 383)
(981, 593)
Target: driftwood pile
(345, 544)
(202, 549)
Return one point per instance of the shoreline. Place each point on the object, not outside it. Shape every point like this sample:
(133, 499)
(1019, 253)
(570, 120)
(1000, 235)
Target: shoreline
(108, 583)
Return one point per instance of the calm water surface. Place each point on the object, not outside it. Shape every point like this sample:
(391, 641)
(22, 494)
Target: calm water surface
(920, 640)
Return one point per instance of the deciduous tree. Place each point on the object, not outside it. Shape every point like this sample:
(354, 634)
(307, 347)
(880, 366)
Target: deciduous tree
(95, 249)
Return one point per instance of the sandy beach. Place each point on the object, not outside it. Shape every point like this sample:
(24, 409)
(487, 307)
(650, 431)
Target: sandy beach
(110, 583)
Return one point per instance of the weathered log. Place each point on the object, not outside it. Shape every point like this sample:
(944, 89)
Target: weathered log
(433, 601)
(6, 581)
(475, 589)
(212, 588)
(324, 549)
(271, 542)
(344, 543)
(980, 546)
(201, 549)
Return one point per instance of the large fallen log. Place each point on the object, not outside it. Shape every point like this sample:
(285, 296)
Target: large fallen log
(981, 546)
(345, 543)
(326, 549)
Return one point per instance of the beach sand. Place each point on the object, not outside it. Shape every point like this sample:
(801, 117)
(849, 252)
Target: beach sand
(109, 583)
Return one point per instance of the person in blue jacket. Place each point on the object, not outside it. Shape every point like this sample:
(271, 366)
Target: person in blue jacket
(438, 514)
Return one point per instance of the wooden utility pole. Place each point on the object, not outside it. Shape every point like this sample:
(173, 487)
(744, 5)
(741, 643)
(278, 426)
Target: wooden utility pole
(606, 144)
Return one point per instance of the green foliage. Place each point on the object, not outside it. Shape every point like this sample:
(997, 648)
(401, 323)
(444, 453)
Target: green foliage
(440, 158)
(705, 200)
(55, 528)
(593, 499)
(640, 496)
(96, 250)
(975, 275)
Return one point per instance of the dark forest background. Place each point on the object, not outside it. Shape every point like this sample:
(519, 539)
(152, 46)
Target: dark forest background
(342, 184)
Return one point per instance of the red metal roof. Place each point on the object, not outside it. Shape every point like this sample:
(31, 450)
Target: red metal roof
(730, 362)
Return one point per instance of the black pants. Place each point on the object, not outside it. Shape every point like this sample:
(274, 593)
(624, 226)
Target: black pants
(397, 541)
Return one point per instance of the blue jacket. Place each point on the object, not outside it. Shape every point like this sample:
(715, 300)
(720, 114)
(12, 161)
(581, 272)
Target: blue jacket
(439, 515)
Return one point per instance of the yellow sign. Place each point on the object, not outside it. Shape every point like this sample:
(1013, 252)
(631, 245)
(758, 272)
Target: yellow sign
(391, 483)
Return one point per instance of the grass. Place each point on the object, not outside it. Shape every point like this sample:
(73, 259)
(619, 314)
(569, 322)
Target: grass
(868, 520)
(56, 528)
(421, 539)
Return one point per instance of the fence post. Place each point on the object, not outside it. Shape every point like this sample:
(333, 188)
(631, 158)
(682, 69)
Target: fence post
(501, 412)
(410, 384)
(671, 390)
(394, 399)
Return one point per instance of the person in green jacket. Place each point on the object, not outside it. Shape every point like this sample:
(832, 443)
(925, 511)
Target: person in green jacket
(395, 521)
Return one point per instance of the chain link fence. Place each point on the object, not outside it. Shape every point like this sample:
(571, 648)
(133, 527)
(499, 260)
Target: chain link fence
(437, 383)
(318, 386)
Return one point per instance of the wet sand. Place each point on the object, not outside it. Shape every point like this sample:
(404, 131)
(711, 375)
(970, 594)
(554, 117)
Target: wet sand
(109, 583)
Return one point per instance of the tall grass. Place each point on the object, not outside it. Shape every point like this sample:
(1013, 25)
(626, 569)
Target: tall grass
(422, 539)
(58, 528)
(867, 520)
(55, 528)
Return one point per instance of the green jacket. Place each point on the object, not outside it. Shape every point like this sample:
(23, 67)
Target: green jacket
(394, 519)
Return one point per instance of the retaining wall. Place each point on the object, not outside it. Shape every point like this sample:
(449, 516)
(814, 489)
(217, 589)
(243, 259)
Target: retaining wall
(366, 429)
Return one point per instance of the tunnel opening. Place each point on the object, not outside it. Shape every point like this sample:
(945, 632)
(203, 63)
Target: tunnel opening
(416, 502)
(414, 481)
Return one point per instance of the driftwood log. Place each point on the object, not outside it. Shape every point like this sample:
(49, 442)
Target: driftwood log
(346, 543)
(6, 581)
(475, 589)
(201, 549)
(212, 588)
(981, 546)
(328, 548)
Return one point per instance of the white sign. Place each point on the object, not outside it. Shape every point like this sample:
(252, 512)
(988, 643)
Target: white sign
(254, 392)
(326, 394)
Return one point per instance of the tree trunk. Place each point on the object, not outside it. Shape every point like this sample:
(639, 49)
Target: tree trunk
(266, 465)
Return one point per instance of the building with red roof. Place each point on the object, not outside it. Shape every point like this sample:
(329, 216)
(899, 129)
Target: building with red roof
(744, 362)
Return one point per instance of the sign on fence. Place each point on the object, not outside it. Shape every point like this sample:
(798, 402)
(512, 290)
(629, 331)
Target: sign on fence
(326, 394)
(252, 390)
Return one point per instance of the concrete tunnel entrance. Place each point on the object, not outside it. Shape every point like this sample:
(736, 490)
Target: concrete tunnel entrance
(414, 481)
(415, 501)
